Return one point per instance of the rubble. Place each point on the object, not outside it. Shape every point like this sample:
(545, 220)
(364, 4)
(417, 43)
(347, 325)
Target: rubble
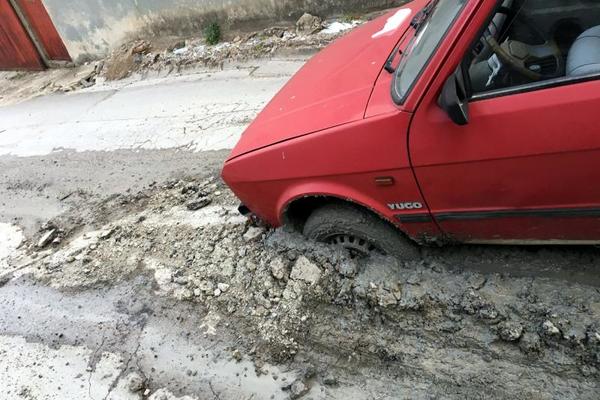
(47, 238)
(510, 331)
(288, 300)
(135, 383)
(196, 205)
(309, 24)
(305, 270)
(278, 269)
(253, 234)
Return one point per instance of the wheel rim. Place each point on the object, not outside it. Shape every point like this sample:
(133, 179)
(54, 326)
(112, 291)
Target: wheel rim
(357, 247)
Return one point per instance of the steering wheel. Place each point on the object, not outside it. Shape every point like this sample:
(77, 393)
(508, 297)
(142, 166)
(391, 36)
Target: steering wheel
(513, 62)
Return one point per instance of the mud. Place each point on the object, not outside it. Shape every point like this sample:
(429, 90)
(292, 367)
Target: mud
(462, 322)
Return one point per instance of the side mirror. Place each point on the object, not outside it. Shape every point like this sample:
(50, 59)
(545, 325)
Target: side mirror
(453, 98)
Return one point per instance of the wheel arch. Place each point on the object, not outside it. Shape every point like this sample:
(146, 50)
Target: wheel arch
(296, 207)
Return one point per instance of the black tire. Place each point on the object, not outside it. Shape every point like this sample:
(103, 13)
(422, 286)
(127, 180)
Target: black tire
(339, 223)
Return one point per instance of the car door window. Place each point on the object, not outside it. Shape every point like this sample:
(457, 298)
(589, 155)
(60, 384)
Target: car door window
(530, 44)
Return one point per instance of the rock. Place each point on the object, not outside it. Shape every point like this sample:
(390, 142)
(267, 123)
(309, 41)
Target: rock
(47, 238)
(105, 234)
(550, 329)
(140, 47)
(278, 269)
(331, 381)
(593, 338)
(196, 205)
(4, 279)
(386, 298)
(305, 270)
(298, 389)
(206, 286)
(253, 234)
(163, 276)
(184, 294)
(135, 383)
(510, 331)
(237, 355)
(181, 280)
(530, 343)
(217, 292)
(309, 24)
(223, 287)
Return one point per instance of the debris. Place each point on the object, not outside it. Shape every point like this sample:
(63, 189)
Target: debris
(140, 47)
(298, 389)
(309, 24)
(237, 355)
(510, 331)
(223, 287)
(4, 279)
(278, 269)
(105, 234)
(530, 343)
(550, 329)
(47, 238)
(196, 205)
(306, 271)
(135, 383)
(253, 234)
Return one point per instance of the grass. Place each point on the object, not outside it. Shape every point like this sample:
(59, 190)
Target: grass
(212, 33)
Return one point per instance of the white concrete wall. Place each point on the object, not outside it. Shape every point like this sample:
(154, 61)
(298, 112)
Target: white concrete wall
(90, 28)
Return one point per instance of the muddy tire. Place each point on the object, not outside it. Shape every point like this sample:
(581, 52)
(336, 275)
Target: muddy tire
(359, 231)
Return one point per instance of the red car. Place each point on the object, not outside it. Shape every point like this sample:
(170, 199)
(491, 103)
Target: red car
(471, 121)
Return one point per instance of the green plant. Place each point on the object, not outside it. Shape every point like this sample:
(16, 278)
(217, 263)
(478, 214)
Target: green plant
(212, 33)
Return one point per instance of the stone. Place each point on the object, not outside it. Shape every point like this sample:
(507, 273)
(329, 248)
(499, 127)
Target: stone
(386, 298)
(237, 355)
(298, 389)
(206, 286)
(217, 292)
(309, 24)
(278, 269)
(4, 279)
(163, 276)
(105, 234)
(253, 234)
(305, 270)
(135, 383)
(197, 204)
(530, 343)
(47, 238)
(223, 287)
(550, 329)
(510, 331)
(331, 381)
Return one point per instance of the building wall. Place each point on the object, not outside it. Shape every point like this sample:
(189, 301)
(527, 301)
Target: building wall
(91, 28)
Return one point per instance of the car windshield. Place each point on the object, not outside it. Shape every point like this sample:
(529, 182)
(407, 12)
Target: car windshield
(435, 20)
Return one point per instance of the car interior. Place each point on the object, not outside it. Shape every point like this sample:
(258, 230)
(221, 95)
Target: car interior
(531, 41)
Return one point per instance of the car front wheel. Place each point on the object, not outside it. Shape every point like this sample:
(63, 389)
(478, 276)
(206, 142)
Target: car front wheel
(358, 231)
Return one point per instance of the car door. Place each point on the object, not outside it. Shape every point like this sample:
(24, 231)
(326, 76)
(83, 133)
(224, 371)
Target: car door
(525, 168)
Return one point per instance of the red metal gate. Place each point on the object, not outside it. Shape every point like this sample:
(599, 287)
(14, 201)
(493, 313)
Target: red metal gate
(43, 28)
(28, 38)
(17, 50)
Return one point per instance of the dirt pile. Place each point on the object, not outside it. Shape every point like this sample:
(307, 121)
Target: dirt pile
(143, 56)
(430, 328)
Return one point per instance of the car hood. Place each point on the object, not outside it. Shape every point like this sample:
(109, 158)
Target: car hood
(333, 88)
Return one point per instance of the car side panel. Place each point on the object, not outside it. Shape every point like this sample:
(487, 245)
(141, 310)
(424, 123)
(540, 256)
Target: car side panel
(341, 162)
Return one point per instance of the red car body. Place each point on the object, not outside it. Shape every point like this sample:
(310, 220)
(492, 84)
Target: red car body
(523, 170)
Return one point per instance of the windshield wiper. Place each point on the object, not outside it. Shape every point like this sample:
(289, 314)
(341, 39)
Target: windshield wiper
(416, 23)
(419, 20)
(388, 64)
